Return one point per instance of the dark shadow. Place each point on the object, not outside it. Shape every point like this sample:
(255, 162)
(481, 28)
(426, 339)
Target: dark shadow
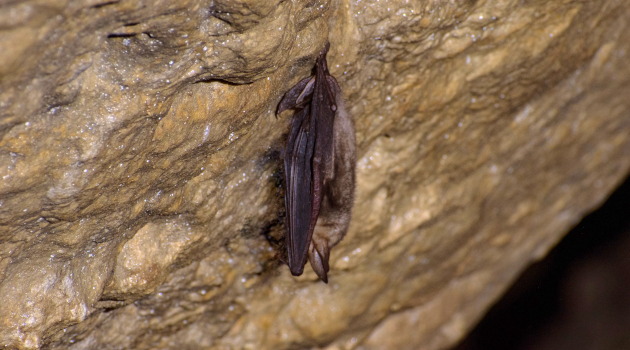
(578, 297)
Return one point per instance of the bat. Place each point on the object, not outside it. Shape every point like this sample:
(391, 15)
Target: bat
(319, 169)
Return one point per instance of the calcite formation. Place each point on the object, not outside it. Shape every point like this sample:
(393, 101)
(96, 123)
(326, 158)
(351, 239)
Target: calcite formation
(141, 193)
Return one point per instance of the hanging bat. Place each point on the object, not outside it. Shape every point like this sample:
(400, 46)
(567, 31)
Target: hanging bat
(319, 169)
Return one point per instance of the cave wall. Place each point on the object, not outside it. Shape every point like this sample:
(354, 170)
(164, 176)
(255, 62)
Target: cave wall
(141, 201)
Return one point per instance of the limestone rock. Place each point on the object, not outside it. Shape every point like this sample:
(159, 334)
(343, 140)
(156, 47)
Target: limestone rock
(141, 176)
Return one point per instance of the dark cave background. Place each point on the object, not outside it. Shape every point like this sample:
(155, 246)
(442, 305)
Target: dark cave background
(578, 297)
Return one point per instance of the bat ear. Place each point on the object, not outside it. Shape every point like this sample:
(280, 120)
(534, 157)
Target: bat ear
(318, 256)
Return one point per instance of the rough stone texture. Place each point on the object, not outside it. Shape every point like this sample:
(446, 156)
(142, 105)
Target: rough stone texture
(140, 161)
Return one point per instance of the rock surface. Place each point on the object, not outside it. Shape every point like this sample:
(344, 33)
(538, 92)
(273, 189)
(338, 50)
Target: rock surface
(141, 193)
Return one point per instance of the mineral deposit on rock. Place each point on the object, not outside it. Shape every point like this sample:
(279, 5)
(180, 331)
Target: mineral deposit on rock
(141, 193)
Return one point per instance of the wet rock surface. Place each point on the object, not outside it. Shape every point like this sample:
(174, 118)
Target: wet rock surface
(141, 192)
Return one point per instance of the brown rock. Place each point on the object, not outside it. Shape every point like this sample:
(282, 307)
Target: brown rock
(140, 165)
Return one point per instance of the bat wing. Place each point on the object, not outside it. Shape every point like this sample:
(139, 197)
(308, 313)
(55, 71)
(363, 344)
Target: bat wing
(298, 169)
(297, 96)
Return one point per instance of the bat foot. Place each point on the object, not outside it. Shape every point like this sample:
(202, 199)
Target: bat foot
(318, 256)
